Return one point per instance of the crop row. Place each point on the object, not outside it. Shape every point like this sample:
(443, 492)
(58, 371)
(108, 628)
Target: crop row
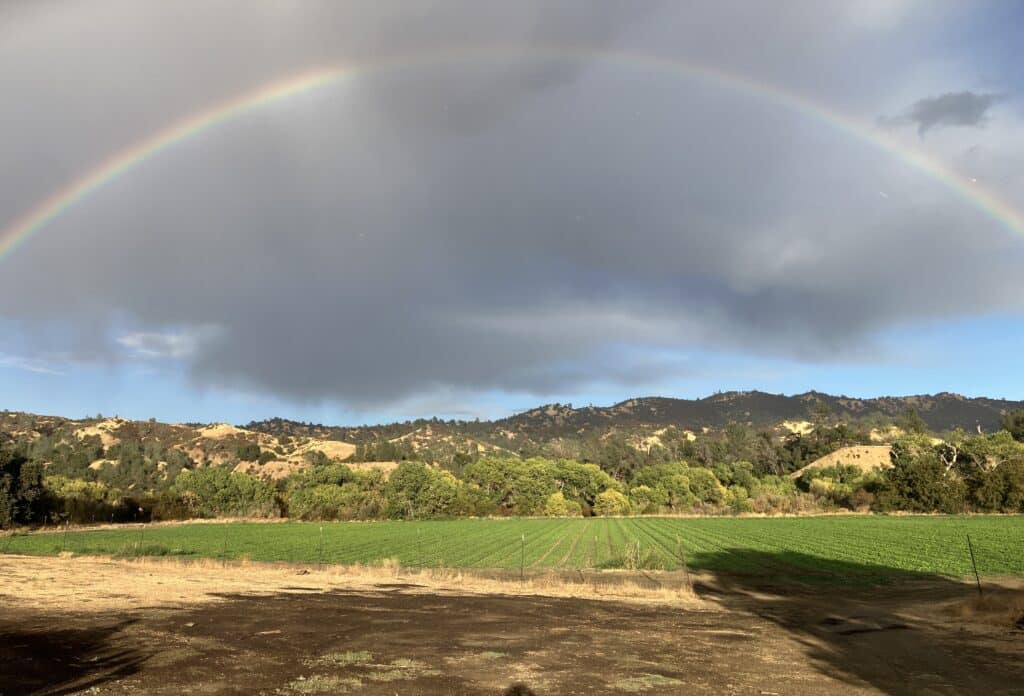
(844, 546)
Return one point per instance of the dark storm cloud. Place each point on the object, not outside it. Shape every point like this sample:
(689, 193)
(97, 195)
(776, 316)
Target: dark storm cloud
(950, 109)
(495, 224)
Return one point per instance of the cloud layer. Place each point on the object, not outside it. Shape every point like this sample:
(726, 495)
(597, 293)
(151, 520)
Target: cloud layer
(512, 224)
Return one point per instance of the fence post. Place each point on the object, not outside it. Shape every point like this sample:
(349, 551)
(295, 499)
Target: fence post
(224, 551)
(977, 578)
(682, 559)
(522, 558)
(320, 553)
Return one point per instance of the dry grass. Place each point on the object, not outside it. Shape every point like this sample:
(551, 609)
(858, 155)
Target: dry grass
(866, 457)
(344, 659)
(103, 584)
(322, 684)
(997, 607)
(645, 682)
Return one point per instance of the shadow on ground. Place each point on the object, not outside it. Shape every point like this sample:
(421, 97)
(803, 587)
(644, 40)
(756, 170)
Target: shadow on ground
(39, 656)
(781, 623)
(866, 625)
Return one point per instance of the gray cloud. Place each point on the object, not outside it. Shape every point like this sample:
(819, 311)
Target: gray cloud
(511, 223)
(951, 109)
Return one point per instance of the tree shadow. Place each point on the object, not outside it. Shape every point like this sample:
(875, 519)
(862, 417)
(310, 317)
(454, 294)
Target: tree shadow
(870, 625)
(56, 661)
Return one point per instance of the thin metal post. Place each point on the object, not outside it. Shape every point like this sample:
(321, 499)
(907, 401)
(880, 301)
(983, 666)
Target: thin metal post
(522, 558)
(977, 578)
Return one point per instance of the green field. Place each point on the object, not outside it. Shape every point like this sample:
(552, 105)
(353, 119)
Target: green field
(867, 547)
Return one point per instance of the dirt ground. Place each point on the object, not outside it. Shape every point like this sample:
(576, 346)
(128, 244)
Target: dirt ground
(87, 625)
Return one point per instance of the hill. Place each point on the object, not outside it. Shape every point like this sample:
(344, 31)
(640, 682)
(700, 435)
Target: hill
(864, 457)
(774, 431)
(940, 412)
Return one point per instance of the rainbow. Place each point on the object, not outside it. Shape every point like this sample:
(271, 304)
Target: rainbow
(37, 218)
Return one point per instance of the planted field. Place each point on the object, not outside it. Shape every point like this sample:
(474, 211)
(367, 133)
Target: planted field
(831, 547)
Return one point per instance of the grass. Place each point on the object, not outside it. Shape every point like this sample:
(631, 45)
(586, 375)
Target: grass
(344, 659)
(645, 682)
(843, 546)
(320, 684)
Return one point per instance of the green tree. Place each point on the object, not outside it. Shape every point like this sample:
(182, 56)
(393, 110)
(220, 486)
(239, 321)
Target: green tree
(217, 492)
(1013, 423)
(248, 452)
(647, 500)
(557, 506)
(22, 495)
(921, 482)
(611, 503)
(911, 421)
(514, 485)
(415, 491)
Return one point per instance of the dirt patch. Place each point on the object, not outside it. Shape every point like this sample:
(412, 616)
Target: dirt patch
(171, 628)
(865, 457)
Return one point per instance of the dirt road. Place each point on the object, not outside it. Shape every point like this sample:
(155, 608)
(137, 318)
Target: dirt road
(108, 627)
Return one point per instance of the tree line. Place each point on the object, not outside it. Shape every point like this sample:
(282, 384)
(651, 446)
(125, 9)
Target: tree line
(733, 472)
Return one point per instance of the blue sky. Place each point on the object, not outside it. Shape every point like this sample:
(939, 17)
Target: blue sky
(472, 237)
(977, 357)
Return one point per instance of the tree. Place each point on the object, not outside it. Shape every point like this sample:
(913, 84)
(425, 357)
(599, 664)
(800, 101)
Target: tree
(912, 422)
(611, 503)
(582, 482)
(557, 506)
(1013, 423)
(515, 485)
(216, 492)
(921, 482)
(645, 499)
(416, 490)
(248, 452)
(22, 495)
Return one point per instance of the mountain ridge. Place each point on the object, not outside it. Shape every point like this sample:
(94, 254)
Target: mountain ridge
(941, 411)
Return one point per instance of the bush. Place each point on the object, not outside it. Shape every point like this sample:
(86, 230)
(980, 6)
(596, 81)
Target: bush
(646, 500)
(416, 490)
(216, 492)
(84, 501)
(22, 497)
(557, 506)
(331, 502)
(611, 503)
(919, 482)
(248, 452)
(634, 558)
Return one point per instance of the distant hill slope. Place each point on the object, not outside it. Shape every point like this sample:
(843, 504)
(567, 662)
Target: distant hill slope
(602, 434)
(864, 457)
(940, 412)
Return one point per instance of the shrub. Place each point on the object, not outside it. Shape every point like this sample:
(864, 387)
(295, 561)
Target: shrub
(215, 492)
(557, 506)
(84, 501)
(22, 498)
(920, 482)
(248, 452)
(416, 490)
(611, 503)
(646, 500)
(331, 502)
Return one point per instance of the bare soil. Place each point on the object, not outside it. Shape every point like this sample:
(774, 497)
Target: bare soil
(86, 625)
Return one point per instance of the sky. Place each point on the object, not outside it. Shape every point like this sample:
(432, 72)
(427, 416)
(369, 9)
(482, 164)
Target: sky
(489, 206)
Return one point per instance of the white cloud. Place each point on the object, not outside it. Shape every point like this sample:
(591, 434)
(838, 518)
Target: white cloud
(168, 345)
(19, 362)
